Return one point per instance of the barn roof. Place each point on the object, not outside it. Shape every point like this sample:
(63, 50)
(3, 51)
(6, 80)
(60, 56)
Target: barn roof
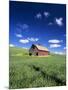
(40, 47)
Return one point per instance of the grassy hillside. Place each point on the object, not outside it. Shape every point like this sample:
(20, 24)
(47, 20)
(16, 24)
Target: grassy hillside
(18, 51)
(28, 71)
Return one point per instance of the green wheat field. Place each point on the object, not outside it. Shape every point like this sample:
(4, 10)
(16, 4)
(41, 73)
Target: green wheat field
(33, 71)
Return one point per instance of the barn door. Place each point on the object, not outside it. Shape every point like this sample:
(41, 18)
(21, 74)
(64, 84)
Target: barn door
(36, 53)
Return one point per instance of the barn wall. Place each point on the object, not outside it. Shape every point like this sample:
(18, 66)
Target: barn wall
(33, 51)
(43, 53)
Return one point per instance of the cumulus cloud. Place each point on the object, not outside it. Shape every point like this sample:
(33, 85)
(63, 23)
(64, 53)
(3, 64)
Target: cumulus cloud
(18, 35)
(22, 26)
(25, 26)
(24, 41)
(39, 16)
(27, 40)
(64, 35)
(11, 45)
(59, 21)
(64, 48)
(60, 53)
(55, 41)
(55, 45)
(50, 23)
(33, 39)
(24, 47)
(46, 14)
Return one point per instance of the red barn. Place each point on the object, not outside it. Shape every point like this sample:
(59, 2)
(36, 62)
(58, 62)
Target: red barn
(38, 50)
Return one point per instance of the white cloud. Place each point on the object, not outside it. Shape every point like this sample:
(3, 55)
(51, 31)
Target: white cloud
(24, 47)
(64, 35)
(64, 48)
(59, 21)
(50, 23)
(55, 45)
(18, 35)
(22, 26)
(36, 39)
(39, 16)
(55, 41)
(24, 41)
(11, 45)
(25, 26)
(27, 40)
(33, 39)
(60, 53)
(46, 14)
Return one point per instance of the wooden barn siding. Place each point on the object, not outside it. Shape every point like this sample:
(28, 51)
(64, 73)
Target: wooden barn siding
(33, 51)
(40, 53)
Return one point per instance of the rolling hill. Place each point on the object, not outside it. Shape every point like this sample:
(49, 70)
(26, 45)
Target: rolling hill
(31, 71)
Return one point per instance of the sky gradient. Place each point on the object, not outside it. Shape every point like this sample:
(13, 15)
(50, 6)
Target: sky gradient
(37, 23)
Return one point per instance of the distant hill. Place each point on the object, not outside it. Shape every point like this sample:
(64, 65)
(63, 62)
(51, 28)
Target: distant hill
(15, 51)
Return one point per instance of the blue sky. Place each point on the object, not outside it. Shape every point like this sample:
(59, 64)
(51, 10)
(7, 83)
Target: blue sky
(37, 23)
